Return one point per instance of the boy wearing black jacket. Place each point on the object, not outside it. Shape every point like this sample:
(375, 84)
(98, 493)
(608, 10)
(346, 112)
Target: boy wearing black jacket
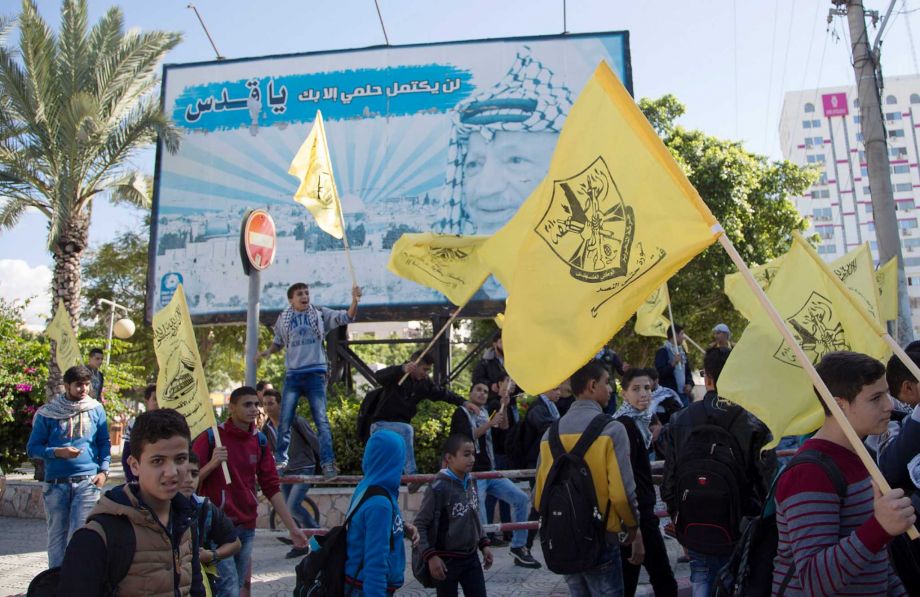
(449, 527)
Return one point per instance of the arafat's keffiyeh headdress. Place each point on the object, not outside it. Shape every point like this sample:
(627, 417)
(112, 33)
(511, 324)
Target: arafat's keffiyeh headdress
(526, 99)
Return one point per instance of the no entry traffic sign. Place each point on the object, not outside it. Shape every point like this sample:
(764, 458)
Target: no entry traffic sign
(257, 240)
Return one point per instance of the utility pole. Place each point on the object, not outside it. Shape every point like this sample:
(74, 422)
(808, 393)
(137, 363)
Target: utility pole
(866, 65)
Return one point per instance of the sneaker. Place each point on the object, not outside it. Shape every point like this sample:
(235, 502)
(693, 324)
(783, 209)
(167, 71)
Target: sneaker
(285, 540)
(415, 486)
(496, 541)
(297, 552)
(523, 558)
(330, 471)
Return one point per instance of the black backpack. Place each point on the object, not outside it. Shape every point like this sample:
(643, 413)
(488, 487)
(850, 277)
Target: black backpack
(120, 546)
(369, 407)
(710, 486)
(572, 528)
(322, 572)
(749, 571)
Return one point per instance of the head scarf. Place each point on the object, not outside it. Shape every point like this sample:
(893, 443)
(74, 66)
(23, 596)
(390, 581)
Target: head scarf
(75, 412)
(526, 99)
(643, 419)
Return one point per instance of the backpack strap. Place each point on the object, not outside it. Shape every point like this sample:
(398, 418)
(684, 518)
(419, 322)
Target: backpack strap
(373, 490)
(120, 545)
(591, 433)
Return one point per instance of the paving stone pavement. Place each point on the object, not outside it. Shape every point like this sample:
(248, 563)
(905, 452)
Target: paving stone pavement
(22, 556)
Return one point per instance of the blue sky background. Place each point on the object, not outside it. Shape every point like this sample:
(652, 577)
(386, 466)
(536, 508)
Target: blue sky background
(729, 61)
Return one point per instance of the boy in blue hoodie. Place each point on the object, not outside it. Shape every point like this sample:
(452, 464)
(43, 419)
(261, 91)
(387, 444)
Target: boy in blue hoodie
(376, 556)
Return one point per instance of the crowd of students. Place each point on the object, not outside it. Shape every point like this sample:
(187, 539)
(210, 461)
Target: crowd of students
(177, 527)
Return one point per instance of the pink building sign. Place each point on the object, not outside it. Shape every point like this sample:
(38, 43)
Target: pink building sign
(835, 104)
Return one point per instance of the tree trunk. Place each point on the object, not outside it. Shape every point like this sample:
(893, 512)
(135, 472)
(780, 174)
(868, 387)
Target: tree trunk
(66, 282)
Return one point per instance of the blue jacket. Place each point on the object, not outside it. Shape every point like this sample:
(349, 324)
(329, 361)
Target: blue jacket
(371, 565)
(895, 454)
(48, 434)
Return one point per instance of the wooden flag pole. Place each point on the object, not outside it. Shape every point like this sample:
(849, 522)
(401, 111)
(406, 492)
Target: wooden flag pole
(691, 341)
(443, 329)
(218, 444)
(335, 191)
(855, 443)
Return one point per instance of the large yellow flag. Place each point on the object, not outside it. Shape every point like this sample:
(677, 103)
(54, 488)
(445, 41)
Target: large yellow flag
(317, 191)
(66, 348)
(614, 219)
(180, 383)
(886, 278)
(448, 263)
(762, 373)
(856, 272)
(741, 295)
(650, 319)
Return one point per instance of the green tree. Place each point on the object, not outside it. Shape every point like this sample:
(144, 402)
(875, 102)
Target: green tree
(76, 106)
(750, 196)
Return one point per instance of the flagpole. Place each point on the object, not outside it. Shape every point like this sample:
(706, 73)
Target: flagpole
(444, 328)
(698, 347)
(777, 320)
(335, 191)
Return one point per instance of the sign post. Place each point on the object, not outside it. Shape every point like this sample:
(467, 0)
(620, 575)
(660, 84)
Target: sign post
(257, 251)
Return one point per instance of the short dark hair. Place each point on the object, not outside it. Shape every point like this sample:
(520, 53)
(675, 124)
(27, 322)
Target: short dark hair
(260, 385)
(273, 393)
(913, 346)
(454, 442)
(845, 373)
(96, 350)
(77, 373)
(150, 390)
(427, 359)
(633, 373)
(896, 373)
(714, 361)
(155, 425)
(675, 329)
(497, 335)
(193, 458)
(477, 382)
(241, 391)
(592, 370)
(653, 373)
(294, 288)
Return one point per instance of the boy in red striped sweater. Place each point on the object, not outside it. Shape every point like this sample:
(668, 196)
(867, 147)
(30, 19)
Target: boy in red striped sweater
(829, 546)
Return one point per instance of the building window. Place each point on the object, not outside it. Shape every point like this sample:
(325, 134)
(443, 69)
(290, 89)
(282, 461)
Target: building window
(910, 224)
(912, 261)
(870, 226)
(903, 205)
(856, 102)
(915, 98)
(826, 249)
(806, 124)
(897, 153)
(864, 171)
(900, 169)
(815, 159)
(822, 214)
(891, 100)
(874, 245)
(911, 243)
(903, 187)
(859, 137)
(867, 208)
(892, 116)
(815, 124)
(809, 108)
(819, 141)
(895, 133)
(857, 119)
(866, 191)
(826, 232)
(820, 194)
(822, 179)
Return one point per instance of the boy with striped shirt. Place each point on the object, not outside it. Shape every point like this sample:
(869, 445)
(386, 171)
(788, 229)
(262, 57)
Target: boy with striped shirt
(829, 546)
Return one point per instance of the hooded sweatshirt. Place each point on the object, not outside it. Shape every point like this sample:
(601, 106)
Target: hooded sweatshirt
(371, 565)
(249, 460)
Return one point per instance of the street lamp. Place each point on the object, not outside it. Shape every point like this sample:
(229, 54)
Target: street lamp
(125, 325)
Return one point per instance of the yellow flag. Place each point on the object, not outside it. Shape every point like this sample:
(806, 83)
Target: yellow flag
(448, 263)
(180, 383)
(856, 272)
(740, 294)
(317, 191)
(886, 278)
(762, 373)
(650, 319)
(614, 219)
(66, 348)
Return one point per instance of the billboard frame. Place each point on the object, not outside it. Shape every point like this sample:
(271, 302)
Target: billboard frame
(402, 312)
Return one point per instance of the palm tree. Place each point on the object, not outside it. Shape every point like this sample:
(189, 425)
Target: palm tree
(74, 107)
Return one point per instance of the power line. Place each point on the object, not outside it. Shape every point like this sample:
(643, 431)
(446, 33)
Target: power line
(735, 33)
(910, 34)
(766, 119)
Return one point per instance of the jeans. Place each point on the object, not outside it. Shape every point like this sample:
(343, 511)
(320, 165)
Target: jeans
(504, 510)
(606, 579)
(704, 569)
(467, 572)
(506, 491)
(657, 563)
(406, 432)
(293, 498)
(66, 507)
(234, 572)
(312, 385)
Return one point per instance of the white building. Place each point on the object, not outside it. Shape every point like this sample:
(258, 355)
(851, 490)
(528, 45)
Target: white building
(822, 127)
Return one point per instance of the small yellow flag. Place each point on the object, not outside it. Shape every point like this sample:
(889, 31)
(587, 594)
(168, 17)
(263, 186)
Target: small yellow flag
(886, 278)
(740, 294)
(856, 272)
(762, 373)
(447, 263)
(317, 191)
(181, 384)
(614, 219)
(66, 348)
(650, 319)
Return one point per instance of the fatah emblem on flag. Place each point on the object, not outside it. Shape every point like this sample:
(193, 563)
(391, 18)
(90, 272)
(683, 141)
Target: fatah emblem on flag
(816, 329)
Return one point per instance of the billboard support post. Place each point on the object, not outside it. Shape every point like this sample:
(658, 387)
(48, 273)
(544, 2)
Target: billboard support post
(252, 325)
(258, 243)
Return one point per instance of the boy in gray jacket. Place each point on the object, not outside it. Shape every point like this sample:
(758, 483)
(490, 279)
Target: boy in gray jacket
(449, 527)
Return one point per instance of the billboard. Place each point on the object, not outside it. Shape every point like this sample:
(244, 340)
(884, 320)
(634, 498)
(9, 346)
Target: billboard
(431, 138)
(835, 104)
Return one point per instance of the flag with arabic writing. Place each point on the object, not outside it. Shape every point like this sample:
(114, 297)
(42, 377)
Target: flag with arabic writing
(650, 319)
(886, 278)
(857, 273)
(448, 263)
(740, 294)
(317, 192)
(66, 348)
